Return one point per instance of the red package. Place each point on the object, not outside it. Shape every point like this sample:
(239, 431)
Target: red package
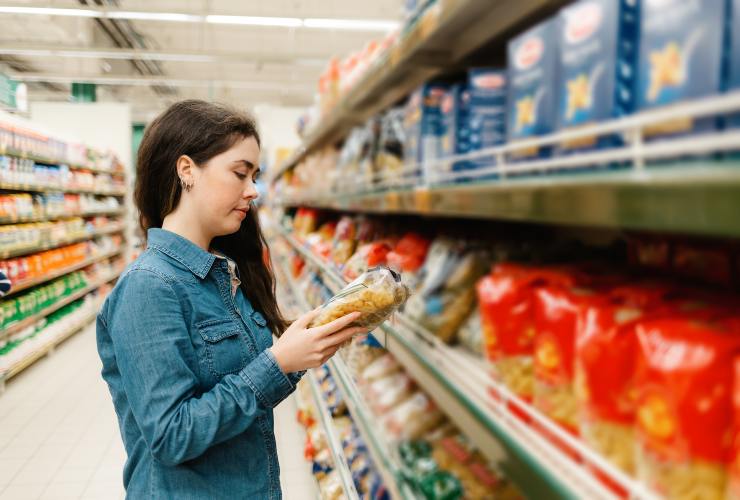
(556, 317)
(409, 253)
(506, 299)
(685, 372)
(366, 257)
(344, 240)
(605, 352)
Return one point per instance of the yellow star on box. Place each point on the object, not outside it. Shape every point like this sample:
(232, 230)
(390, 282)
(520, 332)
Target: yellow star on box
(524, 112)
(579, 95)
(666, 69)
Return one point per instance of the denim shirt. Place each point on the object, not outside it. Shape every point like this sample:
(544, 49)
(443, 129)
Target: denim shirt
(192, 379)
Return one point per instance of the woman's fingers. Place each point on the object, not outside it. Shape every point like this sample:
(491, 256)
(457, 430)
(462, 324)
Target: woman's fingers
(306, 319)
(339, 338)
(336, 325)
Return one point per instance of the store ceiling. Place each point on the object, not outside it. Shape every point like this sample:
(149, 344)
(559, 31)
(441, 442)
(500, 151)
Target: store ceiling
(242, 64)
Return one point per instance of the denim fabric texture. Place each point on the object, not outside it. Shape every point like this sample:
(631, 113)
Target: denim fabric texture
(192, 380)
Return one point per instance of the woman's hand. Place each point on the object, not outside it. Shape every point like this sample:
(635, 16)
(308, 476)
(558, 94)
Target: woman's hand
(300, 348)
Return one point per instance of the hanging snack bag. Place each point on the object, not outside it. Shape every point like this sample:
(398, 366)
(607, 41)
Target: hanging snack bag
(376, 294)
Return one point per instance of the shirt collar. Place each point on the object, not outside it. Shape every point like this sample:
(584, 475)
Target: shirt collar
(182, 250)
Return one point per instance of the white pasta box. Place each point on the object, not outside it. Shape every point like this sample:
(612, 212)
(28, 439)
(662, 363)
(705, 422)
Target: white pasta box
(598, 65)
(532, 96)
(683, 50)
(487, 116)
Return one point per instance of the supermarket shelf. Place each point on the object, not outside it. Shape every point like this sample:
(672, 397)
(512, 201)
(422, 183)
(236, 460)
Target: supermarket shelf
(50, 189)
(378, 446)
(461, 386)
(44, 218)
(703, 199)
(40, 353)
(445, 33)
(20, 325)
(8, 254)
(23, 285)
(640, 184)
(335, 446)
(362, 417)
(47, 161)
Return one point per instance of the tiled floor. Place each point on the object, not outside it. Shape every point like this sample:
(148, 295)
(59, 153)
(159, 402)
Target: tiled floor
(59, 437)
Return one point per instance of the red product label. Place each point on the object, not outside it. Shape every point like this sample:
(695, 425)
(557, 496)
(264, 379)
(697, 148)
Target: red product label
(410, 253)
(529, 53)
(457, 450)
(685, 387)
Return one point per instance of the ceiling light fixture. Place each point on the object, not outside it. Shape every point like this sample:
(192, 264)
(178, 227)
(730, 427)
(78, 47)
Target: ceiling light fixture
(49, 11)
(285, 22)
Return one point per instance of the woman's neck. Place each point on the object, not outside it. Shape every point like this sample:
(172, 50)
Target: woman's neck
(185, 226)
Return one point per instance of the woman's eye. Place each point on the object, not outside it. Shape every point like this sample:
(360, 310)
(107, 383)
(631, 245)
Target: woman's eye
(241, 176)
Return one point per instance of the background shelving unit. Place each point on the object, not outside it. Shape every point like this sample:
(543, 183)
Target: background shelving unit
(117, 226)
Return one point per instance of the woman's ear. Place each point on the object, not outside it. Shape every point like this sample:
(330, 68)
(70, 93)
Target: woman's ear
(186, 169)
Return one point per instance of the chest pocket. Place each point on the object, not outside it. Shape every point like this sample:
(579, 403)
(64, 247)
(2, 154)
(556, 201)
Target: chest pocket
(225, 349)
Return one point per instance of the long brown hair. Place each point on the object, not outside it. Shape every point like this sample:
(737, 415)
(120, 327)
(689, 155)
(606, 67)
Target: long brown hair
(202, 130)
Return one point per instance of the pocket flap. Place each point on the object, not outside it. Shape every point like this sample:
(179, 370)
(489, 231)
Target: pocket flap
(215, 330)
(258, 318)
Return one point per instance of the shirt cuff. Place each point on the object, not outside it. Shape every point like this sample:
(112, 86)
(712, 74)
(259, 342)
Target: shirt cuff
(267, 380)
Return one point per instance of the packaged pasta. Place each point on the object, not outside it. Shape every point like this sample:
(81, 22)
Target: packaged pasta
(605, 353)
(685, 372)
(367, 256)
(376, 294)
(470, 334)
(380, 368)
(447, 292)
(408, 257)
(556, 316)
(388, 392)
(305, 221)
(412, 418)
(344, 240)
(506, 299)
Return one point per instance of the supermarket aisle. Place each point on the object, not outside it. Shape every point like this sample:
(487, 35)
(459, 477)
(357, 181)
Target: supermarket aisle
(59, 438)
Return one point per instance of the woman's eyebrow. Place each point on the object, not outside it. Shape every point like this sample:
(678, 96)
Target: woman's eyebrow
(247, 163)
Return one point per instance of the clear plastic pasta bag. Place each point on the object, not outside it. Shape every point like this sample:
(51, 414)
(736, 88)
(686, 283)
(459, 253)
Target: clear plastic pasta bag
(376, 294)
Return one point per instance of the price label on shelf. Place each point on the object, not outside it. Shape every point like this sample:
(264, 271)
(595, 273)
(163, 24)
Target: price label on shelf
(392, 201)
(423, 199)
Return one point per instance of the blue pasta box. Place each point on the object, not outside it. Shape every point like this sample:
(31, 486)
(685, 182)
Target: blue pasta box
(424, 125)
(487, 115)
(733, 58)
(598, 65)
(532, 96)
(683, 46)
(456, 134)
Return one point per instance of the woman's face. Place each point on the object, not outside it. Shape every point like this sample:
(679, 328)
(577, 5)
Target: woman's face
(225, 187)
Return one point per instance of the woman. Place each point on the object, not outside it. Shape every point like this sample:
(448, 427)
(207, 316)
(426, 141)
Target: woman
(186, 335)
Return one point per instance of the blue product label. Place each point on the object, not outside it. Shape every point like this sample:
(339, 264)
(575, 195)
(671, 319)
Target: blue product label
(533, 68)
(680, 50)
(588, 59)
